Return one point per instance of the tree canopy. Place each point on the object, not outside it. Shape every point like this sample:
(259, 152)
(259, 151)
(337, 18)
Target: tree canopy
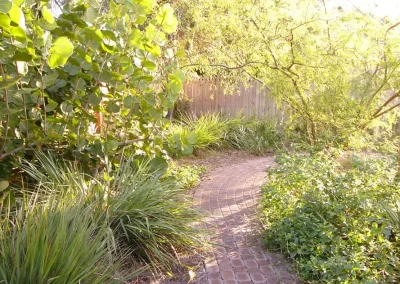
(336, 71)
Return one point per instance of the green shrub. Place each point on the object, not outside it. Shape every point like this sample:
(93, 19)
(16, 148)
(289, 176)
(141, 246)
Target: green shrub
(213, 131)
(147, 215)
(59, 241)
(255, 136)
(150, 215)
(115, 72)
(191, 133)
(330, 222)
(186, 176)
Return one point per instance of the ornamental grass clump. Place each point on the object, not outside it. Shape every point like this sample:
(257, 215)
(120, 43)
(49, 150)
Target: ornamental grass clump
(144, 214)
(59, 241)
(255, 136)
(151, 215)
(196, 133)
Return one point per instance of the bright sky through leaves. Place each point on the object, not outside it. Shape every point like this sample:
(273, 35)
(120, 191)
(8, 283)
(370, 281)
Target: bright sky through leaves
(381, 8)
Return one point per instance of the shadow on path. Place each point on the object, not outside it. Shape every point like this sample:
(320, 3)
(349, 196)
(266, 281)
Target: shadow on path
(229, 197)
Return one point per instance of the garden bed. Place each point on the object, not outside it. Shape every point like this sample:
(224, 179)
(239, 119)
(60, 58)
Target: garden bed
(335, 220)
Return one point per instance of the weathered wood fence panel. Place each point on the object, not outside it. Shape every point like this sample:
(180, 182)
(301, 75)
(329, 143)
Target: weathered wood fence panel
(252, 101)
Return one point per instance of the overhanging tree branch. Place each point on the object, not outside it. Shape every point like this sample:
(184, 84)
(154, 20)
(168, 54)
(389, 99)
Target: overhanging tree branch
(386, 111)
(221, 65)
(386, 103)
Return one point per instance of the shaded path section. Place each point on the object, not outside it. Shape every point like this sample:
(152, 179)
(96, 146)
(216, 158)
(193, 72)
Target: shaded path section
(229, 197)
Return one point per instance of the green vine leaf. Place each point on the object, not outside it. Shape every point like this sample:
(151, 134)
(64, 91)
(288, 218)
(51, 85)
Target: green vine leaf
(5, 21)
(47, 15)
(167, 19)
(5, 6)
(60, 51)
(8, 83)
(4, 185)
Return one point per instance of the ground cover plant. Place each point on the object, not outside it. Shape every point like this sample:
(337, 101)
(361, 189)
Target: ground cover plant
(329, 218)
(187, 176)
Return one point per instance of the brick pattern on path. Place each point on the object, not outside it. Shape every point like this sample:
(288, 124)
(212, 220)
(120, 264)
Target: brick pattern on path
(229, 196)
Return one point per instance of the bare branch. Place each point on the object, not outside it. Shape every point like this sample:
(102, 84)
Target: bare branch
(386, 111)
(130, 142)
(5, 125)
(391, 28)
(20, 148)
(222, 65)
(376, 113)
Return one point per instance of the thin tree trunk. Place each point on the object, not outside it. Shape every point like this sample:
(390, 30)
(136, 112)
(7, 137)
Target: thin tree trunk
(398, 163)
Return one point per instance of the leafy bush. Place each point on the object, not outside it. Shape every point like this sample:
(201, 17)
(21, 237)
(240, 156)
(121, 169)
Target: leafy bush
(255, 136)
(186, 176)
(92, 91)
(58, 242)
(330, 222)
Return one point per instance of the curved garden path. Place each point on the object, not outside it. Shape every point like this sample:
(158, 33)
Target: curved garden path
(229, 197)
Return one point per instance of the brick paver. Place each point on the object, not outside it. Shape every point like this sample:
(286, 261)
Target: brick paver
(229, 197)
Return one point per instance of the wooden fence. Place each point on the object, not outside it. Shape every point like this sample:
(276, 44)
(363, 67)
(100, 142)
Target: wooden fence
(252, 101)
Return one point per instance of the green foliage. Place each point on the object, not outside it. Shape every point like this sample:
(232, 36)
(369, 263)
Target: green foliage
(58, 242)
(59, 75)
(393, 213)
(151, 215)
(192, 133)
(329, 220)
(186, 176)
(144, 214)
(335, 71)
(255, 136)
(212, 131)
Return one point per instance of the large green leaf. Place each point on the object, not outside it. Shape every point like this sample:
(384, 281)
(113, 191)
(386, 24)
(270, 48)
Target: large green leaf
(8, 83)
(22, 56)
(135, 38)
(18, 33)
(47, 15)
(47, 21)
(60, 51)
(51, 105)
(17, 16)
(149, 65)
(92, 34)
(112, 108)
(50, 79)
(4, 21)
(5, 6)
(167, 19)
(4, 185)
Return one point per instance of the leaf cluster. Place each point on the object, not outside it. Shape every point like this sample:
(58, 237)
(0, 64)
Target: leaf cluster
(328, 217)
(89, 81)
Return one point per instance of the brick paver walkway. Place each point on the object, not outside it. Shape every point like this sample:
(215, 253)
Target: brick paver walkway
(229, 197)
